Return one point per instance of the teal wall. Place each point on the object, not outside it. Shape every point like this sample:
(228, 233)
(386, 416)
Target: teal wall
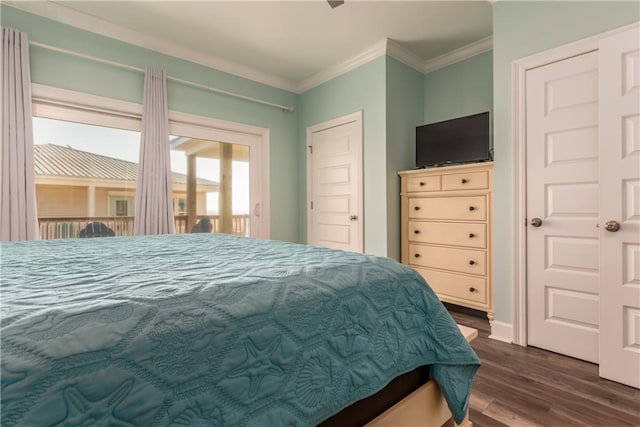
(393, 98)
(390, 95)
(67, 72)
(460, 89)
(405, 106)
(522, 28)
(359, 89)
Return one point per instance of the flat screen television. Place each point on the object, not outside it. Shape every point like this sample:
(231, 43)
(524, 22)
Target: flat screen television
(461, 140)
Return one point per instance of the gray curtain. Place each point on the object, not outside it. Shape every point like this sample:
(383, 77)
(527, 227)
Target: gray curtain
(18, 218)
(154, 203)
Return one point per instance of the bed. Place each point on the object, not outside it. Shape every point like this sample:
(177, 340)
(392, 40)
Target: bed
(212, 330)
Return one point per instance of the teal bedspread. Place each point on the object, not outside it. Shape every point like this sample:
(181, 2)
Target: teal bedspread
(212, 330)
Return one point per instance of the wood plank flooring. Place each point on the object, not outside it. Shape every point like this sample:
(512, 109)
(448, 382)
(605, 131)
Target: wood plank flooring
(527, 386)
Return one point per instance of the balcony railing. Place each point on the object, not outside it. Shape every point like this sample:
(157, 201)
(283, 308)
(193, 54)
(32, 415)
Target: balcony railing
(68, 228)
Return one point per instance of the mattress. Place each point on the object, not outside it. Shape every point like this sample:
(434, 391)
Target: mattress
(212, 329)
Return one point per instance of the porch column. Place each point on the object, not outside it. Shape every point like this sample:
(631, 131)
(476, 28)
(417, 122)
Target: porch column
(225, 200)
(192, 203)
(91, 201)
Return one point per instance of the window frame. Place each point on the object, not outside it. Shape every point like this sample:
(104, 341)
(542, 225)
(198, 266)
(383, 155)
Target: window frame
(66, 105)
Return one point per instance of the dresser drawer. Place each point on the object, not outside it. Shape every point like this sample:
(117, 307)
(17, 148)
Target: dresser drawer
(456, 285)
(473, 208)
(466, 181)
(424, 183)
(454, 259)
(448, 233)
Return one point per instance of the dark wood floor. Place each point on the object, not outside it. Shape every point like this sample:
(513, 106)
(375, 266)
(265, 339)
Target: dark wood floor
(526, 386)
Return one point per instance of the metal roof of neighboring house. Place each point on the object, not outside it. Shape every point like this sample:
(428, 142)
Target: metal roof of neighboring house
(55, 160)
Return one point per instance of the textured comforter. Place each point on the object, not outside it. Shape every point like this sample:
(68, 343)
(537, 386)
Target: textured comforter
(212, 330)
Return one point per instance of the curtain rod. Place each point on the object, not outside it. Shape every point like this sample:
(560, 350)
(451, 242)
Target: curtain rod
(174, 79)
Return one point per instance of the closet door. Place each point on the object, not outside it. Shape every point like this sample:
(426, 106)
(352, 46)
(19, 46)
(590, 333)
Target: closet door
(619, 63)
(562, 207)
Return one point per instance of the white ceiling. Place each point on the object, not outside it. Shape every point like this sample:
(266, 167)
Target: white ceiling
(293, 40)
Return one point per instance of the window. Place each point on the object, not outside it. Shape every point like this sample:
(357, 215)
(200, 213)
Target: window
(83, 174)
(180, 205)
(66, 108)
(220, 190)
(121, 207)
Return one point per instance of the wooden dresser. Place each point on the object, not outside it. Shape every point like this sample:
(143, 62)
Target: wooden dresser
(447, 216)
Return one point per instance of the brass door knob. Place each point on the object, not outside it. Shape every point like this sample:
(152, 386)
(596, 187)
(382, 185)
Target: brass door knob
(535, 222)
(612, 226)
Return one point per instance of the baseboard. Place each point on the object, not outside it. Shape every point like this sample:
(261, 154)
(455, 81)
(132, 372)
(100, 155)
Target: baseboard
(501, 331)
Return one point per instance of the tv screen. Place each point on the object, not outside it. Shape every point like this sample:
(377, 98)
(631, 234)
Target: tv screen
(461, 140)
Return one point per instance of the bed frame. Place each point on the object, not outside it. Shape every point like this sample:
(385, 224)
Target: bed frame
(425, 406)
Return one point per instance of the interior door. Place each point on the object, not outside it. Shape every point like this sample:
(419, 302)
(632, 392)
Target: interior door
(563, 268)
(336, 186)
(620, 207)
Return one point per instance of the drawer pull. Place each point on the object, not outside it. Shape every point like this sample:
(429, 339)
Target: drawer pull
(422, 183)
(417, 208)
(472, 262)
(464, 180)
(472, 289)
(416, 255)
(471, 235)
(472, 208)
(416, 231)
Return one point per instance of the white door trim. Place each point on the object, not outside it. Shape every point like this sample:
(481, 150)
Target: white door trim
(519, 69)
(55, 103)
(353, 117)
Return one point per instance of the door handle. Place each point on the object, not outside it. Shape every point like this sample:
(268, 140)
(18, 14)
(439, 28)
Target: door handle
(353, 218)
(612, 226)
(535, 222)
(256, 209)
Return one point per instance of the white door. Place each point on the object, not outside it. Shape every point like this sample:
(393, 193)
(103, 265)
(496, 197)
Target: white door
(335, 184)
(620, 202)
(563, 269)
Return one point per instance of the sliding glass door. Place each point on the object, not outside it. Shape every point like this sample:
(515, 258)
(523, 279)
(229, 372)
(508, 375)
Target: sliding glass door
(88, 150)
(226, 184)
(215, 196)
(84, 175)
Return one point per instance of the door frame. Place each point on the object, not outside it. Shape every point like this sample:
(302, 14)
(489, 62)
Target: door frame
(353, 117)
(61, 104)
(519, 70)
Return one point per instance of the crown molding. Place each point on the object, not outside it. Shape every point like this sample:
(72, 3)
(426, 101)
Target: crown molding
(66, 15)
(404, 55)
(457, 55)
(397, 51)
(381, 48)
(377, 50)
